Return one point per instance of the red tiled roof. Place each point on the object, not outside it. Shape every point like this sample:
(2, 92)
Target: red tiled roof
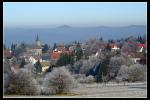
(7, 53)
(113, 45)
(55, 55)
(141, 45)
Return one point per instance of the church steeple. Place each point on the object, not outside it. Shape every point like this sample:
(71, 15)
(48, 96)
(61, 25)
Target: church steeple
(37, 42)
(37, 38)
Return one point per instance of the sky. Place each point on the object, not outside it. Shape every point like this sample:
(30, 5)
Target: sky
(75, 14)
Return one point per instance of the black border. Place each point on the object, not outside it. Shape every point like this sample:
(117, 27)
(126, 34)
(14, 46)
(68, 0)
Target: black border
(79, 1)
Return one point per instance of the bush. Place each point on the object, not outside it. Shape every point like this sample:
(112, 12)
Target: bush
(116, 63)
(137, 72)
(84, 79)
(22, 83)
(123, 73)
(7, 79)
(59, 80)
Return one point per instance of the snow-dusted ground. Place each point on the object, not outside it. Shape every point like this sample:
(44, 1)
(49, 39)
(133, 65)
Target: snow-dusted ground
(110, 90)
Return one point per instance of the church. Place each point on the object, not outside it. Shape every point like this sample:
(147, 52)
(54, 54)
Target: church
(38, 47)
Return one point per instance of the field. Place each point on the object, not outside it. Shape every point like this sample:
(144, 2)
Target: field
(110, 90)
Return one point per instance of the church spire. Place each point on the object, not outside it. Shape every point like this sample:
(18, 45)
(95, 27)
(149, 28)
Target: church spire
(37, 38)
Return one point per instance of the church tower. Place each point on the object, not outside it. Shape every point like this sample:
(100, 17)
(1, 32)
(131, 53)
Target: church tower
(38, 43)
(38, 47)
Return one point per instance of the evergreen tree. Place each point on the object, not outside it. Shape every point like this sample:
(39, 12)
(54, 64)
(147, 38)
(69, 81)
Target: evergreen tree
(103, 71)
(71, 59)
(65, 59)
(54, 46)
(13, 49)
(23, 47)
(79, 52)
(38, 67)
(23, 62)
(101, 39)
(45, 48)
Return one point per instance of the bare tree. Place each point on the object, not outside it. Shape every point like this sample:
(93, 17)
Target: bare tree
(123, 73)
(59, 80)
(22, 83)
(114, 65)
(137, 72)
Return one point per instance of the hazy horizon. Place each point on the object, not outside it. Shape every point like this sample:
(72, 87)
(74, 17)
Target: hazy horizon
(69, 21)
(58, 26)
(67, 34)
(75, 14)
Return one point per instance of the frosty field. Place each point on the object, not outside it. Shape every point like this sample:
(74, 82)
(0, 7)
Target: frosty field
(130, 90)
(110, 90)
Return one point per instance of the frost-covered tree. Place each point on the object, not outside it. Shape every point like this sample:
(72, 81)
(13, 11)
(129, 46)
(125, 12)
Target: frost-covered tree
(114, 65)
(129, 47)
(22, 83)
(137, 72)
(14, 61)
(7, 67)
(123, 72)
(59, 80)
(86, 65)
(122, 75)
(81, 78)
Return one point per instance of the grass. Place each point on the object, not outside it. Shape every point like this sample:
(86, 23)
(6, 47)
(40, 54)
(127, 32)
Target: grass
(67, 94)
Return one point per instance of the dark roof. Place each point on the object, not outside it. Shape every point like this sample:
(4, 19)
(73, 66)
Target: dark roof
(45, 57)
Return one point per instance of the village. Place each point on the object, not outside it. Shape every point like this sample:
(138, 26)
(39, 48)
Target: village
(34, 53)
(92, 61)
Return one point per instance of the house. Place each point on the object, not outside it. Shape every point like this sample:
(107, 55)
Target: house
(7, 53)
(136, 60)
(141, 47)
(45, 58)
(33, 59)
(45, 66)
(61, 48)
(55, 55)
(114, 47)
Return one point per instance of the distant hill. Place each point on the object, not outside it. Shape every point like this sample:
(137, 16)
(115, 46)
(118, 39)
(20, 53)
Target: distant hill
(66, 33)
(64, 26)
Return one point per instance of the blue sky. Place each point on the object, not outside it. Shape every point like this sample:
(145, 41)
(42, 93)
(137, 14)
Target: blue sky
(79, 14)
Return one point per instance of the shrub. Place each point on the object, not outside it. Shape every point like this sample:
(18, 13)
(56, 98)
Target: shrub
(123, 73)
(84, 79)
(116, 63)
(137, 72)
(23, 84)
(59, 80)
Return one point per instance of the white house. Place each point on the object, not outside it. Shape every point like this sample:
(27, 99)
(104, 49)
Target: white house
(32, 60)
(135, 59)
(45, 66)
(115, 47)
